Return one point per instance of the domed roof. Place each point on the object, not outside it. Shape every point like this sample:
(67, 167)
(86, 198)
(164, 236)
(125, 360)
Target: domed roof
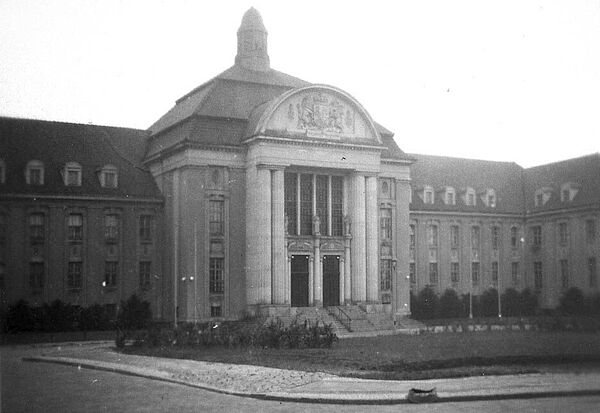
(252, 20)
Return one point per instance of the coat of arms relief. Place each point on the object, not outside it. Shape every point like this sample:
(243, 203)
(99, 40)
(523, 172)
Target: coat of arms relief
(322, 113)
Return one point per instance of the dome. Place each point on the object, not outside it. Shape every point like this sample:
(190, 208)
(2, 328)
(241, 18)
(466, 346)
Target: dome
(252, 20)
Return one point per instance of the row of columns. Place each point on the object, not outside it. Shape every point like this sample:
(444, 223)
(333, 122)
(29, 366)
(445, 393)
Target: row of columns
(267, 262)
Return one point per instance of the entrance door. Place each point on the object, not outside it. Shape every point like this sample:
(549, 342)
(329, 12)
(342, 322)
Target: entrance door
(299, 282)
(331, 280)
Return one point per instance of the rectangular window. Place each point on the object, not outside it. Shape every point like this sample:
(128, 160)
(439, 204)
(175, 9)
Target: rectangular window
(432, 235)
(3, 225)
(470, 199)
(491, 201)
(337, 201)
(564, 274)
(433, 273)
(216, 270)
(146, 222)
(563, 233)
(536, 236)
(428, 197)
(475, 238)
(110, 179)
(36, 276)
(538, 275)
(306, 200)
(495, 273)
(566, 195)
(514, 237)
(111, 227)
(475, 273)
(539, 200)
(216, 215)
(385, 268)
(385, 221)
(514, 273)
(412, 242)
(2, 278)
(592, 272)
(74, 277)
(73, 177)
(35, 176)
(75, 227)
(495, 238)
(322, 202)
(412, 272)
(454, 272)
(454, 237)
(216, 310)
(590, 230)
(111, 270)
(291, 202)
(450, 198)
(145, 270)
(36, 228)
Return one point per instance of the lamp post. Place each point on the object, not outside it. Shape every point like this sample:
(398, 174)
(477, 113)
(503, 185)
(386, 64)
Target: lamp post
(471, 293)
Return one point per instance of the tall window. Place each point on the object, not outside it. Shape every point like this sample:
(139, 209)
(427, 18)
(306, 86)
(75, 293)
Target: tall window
(495, 273)
(412, 242)
(74, 276)
(111, 271)
(538, 275)
(590, 230)
(291, 202)
(36, 276)
(514, 237)
(432, 235)
(563, 233)
(3, 225)
(306, 200)
(592, 272)
(385, 269)
(216, 217)
(514, 273)
(454, 272)
(36, 228)
(111, 227)
(216, 269)
(454, 237)
(72, 174)
(34, 173)
(2, 278)
(412, 273)
(475, 243)
(75, 227)
(146, 222)
(145, 269)
(564, 274)
(337, 201)
(385, 220)
(475, 273)
(2, 171)
(495, 238)
(433, 273)
(536, 236)
(322, 203)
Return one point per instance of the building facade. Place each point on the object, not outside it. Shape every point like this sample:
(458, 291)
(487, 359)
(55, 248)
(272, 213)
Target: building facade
(258, 193)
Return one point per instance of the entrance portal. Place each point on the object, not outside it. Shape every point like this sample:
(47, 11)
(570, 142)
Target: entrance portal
(331, 280)
(299, 281)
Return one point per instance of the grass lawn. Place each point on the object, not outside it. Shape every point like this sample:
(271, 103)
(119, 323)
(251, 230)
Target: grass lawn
(421, 356)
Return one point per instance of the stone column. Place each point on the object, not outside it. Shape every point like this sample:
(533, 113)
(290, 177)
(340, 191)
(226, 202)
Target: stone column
(317, 276)
(347, 271)
(342, 280)
(358, 210)
(288, 278)
(311, 280)
(372, 229)
(278, 238)
(401, 283)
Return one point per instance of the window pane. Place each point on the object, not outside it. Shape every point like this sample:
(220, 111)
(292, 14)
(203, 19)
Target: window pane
(385, 269)
(433, 273)
(75, 227)
(291, 202)
(145, 269)
(111, 227)
(385, 219)
(74, 275)
(111, 269)
(322, 202)
(36, 276)
(145, 227)
(306, 197)
(337, 199)
(454, 272)
(216, 275)
(454, 234)
(475, 273)
(216, 217)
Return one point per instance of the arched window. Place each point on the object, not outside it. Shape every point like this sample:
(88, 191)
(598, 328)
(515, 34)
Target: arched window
(109, 177)
(34, 173)
(72, 174)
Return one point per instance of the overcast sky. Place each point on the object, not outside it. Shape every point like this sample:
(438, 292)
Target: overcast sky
(501, 80)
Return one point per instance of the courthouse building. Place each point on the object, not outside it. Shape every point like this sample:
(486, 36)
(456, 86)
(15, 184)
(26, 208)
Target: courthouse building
(260, 193)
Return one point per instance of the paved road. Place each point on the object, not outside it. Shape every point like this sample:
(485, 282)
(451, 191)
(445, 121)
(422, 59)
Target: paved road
(42, 387)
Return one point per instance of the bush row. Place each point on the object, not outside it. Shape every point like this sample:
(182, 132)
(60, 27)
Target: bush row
(428, 304)
(234, 334)
(573, 303)
(59, 316)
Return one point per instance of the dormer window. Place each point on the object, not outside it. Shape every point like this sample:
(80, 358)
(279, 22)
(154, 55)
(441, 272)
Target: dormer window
(470, 198)
(450, 196)
(428, 195)
(72, 174)
(489, 198)
(109, 177)
(2, 172)
(542, 196)
(568, 191)
(34, 173)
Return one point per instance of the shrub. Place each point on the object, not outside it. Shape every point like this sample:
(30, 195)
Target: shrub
(489, 303)
(450, 305)
(20, 317)
(593, 305)
(58, 316)
(427, 304)
(466, 305)
(134, 314)
(511, 303)
(94, 317)
(529, 303)
(572, 302)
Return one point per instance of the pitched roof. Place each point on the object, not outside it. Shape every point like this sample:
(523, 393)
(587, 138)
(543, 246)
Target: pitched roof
(584, 172)
(92, 146)
(505, 178)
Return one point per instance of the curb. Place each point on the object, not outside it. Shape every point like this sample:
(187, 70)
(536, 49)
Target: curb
(63, 344)
(336, 398)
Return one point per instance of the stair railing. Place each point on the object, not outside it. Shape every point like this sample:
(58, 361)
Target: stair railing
(341, 316)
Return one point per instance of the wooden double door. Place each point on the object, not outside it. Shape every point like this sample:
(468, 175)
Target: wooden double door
(299, 280)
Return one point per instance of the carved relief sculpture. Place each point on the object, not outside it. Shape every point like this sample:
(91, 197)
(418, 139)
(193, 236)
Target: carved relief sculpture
(347, 226)
(316, 225)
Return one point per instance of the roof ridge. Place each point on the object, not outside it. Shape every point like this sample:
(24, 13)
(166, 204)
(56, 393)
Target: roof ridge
(589, 155)
(417, 155)
(104, 135)
(17, 118)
